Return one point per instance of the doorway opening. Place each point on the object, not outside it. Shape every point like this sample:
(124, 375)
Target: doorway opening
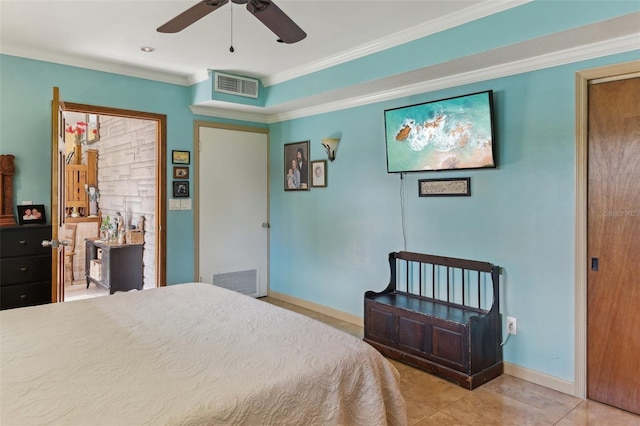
(112, 188)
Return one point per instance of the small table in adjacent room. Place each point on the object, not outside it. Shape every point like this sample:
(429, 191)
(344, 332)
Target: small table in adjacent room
(117, 267)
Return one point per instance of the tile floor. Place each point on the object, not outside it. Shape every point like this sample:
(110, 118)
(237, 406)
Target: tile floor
(78, 290)
(432, 401)
(506, 400)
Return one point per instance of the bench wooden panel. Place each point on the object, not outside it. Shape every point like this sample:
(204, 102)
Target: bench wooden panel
(440, 314)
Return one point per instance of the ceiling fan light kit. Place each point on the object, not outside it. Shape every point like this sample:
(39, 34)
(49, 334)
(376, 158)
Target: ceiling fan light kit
(264, 10)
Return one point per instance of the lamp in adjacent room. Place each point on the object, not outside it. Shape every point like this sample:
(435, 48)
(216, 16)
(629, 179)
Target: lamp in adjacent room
(331, 145)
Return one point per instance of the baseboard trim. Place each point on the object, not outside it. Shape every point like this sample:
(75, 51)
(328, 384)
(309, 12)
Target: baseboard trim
(517, 371)
(325, 310)
(540, 379)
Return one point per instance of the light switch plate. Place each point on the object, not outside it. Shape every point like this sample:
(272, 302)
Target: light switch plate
(174, 204)
(185, 204)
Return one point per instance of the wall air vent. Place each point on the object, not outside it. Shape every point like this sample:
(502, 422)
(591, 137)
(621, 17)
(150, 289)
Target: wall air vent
(245, 282)
(234, 85)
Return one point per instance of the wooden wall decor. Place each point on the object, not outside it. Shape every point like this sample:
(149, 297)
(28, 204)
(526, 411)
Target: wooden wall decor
(76, 177)
(7, 169)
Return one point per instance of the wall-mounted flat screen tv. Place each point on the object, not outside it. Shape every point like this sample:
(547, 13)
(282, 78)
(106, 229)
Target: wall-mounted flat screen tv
(448, 134)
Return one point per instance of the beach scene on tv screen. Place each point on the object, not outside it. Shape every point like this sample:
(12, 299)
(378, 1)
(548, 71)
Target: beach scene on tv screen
(442, 135)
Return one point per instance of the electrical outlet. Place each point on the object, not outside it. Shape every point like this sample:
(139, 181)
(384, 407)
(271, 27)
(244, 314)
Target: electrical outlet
(512, 325)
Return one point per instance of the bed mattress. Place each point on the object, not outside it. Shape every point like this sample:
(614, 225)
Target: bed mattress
(188, 354)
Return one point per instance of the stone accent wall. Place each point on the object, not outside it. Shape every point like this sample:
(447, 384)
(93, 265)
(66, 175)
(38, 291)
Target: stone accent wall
(127, 178)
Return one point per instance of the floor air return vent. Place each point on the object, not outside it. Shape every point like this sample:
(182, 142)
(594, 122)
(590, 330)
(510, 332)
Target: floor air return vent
(245, 282)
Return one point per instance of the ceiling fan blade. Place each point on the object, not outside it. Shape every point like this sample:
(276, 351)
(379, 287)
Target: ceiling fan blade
(191, 15)
(276, 20)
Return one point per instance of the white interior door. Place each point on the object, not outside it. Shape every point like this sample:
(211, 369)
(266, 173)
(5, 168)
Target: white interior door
(233, 209)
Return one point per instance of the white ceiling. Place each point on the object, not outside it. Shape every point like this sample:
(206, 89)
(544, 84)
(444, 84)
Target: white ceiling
(98, 33)
(108, 35)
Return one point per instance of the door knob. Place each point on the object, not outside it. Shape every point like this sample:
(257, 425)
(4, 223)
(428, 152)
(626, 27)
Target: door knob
(594, 263)
(54, 243)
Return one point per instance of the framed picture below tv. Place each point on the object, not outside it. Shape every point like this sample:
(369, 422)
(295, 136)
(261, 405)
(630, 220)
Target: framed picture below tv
(448, 134)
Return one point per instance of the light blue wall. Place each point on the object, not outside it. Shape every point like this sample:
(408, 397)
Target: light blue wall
(26, 88)
(330, 245)
(535, 19)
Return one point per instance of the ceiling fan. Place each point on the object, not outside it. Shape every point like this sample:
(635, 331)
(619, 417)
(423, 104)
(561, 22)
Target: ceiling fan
(266, 11)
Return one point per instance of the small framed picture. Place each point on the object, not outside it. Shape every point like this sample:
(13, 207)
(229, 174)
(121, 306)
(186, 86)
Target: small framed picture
(460, 187)
(296, 166)
(319, 174)
(180, 188)
(31, 214)
(180, 157)
(180, 172)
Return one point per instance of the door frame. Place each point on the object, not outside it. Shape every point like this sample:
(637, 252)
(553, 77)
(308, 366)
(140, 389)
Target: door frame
(583, 80)
(161, 176)
(197, 124)
(57, 254)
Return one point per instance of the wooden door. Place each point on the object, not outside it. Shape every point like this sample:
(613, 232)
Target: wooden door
(233, 208)
(57, 141)
(613, 248)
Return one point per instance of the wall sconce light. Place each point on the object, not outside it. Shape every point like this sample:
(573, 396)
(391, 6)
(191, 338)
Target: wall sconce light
(331, 145)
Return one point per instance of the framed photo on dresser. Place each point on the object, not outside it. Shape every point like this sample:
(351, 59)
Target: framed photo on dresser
(31, 214)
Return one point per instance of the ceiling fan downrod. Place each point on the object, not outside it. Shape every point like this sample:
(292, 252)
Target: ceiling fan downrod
(231, 49)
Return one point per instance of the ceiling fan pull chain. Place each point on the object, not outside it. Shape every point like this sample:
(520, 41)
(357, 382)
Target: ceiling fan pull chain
(231, 49)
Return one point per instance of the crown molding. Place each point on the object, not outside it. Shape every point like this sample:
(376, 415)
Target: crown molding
(199, 77)
(425, 29)
(221, 112)
(605, 48)
(96, 64)
(469, 14)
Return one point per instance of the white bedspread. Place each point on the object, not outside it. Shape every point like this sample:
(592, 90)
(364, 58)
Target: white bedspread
(189, 354)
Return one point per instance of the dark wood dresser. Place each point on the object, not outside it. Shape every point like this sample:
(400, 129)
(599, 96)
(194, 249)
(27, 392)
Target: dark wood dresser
(25, 266)
(117, 267)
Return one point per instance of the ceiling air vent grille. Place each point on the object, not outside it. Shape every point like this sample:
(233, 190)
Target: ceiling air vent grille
(240, 86)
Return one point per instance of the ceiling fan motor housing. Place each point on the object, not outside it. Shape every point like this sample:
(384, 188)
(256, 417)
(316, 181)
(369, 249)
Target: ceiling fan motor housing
(265, 11)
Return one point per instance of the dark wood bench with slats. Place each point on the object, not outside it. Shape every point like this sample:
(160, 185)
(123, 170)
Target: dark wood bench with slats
(439, 314)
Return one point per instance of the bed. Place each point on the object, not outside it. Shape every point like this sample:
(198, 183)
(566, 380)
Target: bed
(188, 354)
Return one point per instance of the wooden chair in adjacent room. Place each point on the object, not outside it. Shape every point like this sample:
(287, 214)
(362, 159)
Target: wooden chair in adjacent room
(70, 250)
